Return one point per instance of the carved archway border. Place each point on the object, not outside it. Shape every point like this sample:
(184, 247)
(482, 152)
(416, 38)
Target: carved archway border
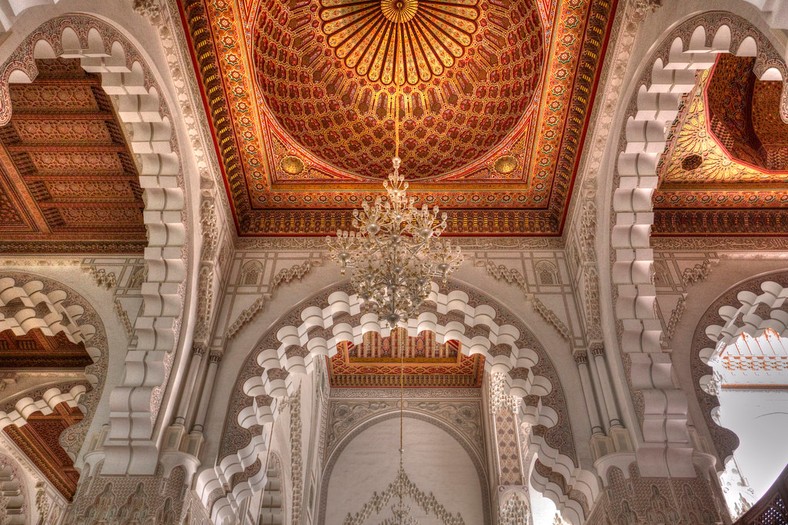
(140, 105)
(274, 463)
(725, 441)
(68, 312)
(306, 332)
(7, 462)
(394, 412)
(693, 45)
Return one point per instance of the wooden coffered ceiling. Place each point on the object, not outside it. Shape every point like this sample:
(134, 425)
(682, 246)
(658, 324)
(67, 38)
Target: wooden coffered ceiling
(725, 170)
(495, 99)
(40, 362)
(35, 350)
(378, 362)
(39, 440)
(68, 182)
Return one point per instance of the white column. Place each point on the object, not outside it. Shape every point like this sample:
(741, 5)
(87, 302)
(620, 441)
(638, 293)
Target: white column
(188, 388)
(581, 358)
(213, 363)
(598, 351)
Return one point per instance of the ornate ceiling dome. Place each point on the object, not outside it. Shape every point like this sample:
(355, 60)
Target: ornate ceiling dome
(328, 73)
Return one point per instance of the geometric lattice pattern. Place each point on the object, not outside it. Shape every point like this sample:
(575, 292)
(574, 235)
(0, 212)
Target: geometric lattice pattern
(494, 101)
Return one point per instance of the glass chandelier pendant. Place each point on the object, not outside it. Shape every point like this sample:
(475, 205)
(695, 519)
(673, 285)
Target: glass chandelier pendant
(395, 252)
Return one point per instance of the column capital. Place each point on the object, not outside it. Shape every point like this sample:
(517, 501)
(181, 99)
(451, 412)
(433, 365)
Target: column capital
(597, 349)
(199, 349)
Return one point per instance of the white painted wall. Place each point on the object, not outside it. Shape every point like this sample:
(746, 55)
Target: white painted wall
(760, 420)
(758, 415)
(434, 461)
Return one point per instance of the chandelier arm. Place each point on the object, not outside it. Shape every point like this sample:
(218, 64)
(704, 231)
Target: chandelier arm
(392, 253)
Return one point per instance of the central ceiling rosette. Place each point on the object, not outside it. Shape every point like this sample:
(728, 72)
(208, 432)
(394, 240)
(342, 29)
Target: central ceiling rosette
(399, 41)
(468, 70)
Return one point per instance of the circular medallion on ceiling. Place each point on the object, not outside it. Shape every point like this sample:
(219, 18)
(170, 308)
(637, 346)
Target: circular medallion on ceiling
(466, 72)
(399, 41)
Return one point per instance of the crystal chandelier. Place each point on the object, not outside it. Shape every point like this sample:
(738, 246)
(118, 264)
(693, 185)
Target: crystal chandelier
(396, 249)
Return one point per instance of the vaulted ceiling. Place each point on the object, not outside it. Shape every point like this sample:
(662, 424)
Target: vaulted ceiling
(494, 100)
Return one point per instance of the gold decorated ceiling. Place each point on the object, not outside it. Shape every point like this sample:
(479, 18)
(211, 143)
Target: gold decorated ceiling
(494, 100)
(725, 170)
(416, 362)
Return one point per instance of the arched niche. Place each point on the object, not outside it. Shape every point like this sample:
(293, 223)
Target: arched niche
(360, 477)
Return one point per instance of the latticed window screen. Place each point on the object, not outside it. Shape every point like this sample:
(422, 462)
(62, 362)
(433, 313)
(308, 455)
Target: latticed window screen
(775, 514)
(772, 509)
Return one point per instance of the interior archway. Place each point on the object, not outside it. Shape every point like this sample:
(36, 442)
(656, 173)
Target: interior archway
(738, 380)
(360, 479)
(463, 314)
(668, 74)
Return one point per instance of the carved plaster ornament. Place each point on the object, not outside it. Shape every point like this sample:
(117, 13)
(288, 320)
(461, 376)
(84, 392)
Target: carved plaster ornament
(402, 487)
(297, 470)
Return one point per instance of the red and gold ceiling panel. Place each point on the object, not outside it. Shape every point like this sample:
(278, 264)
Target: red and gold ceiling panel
(725, 171)
(493, 100)
(36, 350)
(382, 362)
(68, 182)
(39, 440)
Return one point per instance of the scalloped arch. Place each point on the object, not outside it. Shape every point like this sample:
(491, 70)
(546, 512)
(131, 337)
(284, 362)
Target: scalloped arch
(104, 50)
(749, 307)
(692, 46)
(14, 500)
(291, 346)
(46, 405)
(33, 301)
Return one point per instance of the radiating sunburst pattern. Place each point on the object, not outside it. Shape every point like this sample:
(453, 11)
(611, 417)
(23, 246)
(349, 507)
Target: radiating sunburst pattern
(399, 41)
(696, 157)
(345, 118)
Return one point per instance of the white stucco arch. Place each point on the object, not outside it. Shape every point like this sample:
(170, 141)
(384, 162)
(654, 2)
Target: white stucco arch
(317, 330)
(677, 41)
(41, 301)
(13, 493)
(26, 406)
(143, 95)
